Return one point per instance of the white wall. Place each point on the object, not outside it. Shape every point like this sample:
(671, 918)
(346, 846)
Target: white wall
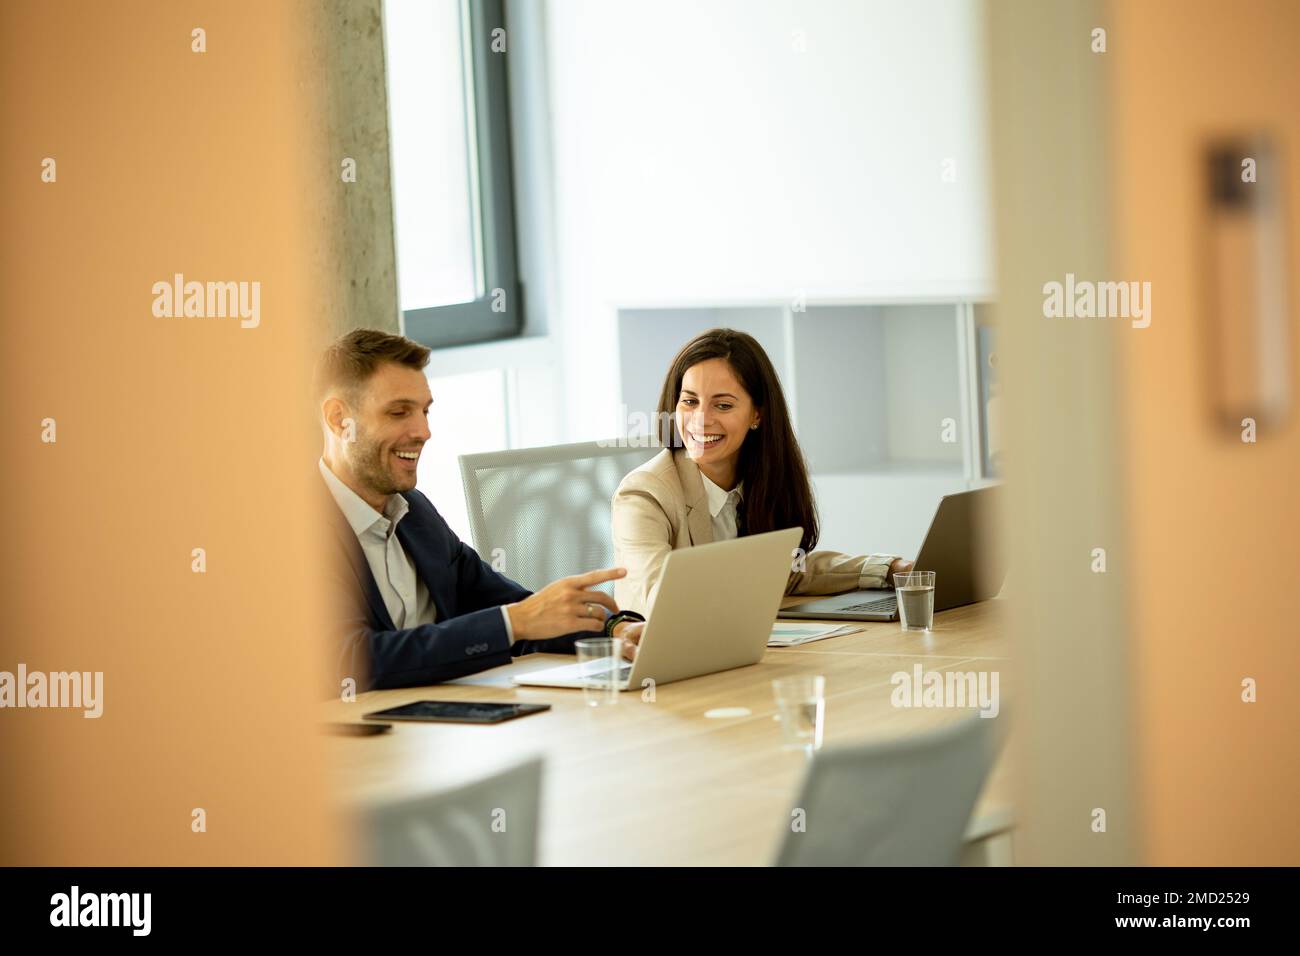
(700, 157)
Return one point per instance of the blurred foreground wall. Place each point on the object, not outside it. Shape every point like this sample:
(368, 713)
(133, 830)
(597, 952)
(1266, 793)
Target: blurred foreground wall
(160, 466)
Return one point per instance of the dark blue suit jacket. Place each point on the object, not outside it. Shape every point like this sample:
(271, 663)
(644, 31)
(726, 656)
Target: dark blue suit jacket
(470, 634)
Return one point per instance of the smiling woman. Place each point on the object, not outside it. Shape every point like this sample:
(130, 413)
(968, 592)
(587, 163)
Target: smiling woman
(731, 466)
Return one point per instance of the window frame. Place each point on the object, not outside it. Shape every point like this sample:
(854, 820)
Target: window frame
(487, 111)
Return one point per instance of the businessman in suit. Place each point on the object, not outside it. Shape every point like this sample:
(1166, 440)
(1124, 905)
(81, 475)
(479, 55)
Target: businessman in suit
(419, 605)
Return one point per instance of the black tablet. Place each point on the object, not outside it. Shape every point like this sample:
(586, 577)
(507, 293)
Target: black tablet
(458, 711)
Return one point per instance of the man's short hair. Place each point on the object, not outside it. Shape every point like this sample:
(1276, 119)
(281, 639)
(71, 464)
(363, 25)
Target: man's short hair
(352, 359)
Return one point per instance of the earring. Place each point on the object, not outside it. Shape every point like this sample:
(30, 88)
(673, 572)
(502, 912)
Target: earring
(753, 426)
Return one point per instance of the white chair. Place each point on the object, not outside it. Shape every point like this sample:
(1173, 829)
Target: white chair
(897, 803)
(537, 514)
(491, 822)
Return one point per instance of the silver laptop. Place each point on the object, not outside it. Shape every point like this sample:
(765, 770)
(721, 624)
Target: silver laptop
(964, 573)
(714, 611)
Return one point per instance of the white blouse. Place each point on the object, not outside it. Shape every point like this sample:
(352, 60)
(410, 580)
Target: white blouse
(722, 508)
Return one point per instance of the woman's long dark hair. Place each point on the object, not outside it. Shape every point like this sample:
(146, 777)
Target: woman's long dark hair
(777, 492)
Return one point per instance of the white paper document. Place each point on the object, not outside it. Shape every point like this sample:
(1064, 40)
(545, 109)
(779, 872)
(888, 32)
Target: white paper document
(789, 634)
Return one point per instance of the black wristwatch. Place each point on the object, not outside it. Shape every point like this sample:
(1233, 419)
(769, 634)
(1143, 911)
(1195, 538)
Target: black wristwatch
(614, 620)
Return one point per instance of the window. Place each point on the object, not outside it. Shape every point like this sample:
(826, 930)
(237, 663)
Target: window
(468, 415)
(453, 206)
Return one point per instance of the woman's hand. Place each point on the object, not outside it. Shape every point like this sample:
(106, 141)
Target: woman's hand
(898, 566)
(630, 632)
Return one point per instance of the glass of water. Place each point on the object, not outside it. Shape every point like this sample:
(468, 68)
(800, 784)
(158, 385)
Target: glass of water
(915, 590)
(599, 662)
(801, 708)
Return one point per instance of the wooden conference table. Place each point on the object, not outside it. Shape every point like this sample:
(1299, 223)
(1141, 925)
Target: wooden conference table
(662, 783)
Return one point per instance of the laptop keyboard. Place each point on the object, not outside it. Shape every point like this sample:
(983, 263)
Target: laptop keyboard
(884, 606)
(621, 673)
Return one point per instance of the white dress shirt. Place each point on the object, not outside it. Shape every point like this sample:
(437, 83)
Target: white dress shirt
(722, 508)
(405, 595)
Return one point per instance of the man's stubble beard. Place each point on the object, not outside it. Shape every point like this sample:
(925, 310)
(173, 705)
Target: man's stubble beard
(370, 468)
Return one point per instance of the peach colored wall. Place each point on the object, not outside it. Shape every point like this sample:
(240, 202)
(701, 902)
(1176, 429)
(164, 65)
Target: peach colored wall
(1214, 522)
(172, 433)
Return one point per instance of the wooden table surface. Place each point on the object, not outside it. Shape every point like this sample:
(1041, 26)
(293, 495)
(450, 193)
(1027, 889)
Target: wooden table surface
(661, 783)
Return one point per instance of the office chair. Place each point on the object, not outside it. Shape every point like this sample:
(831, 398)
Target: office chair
(491, 822)
(895, 803)
(537, 514)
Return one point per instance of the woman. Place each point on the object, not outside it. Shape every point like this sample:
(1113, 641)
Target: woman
(730, 466)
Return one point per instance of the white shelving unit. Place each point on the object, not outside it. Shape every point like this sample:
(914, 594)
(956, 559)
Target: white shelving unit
(884, 397)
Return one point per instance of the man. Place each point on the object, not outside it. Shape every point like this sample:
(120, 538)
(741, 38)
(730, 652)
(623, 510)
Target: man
(421, 606)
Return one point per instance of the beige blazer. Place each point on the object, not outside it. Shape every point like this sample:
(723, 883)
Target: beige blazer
(662, 506)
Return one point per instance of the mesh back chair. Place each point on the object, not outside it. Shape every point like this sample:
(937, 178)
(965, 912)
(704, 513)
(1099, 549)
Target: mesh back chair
(896, 803)
(537, 514)
(491, 822)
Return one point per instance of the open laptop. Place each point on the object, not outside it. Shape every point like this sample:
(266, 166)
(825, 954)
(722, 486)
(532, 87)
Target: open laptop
(963, 573)
(714, 611)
